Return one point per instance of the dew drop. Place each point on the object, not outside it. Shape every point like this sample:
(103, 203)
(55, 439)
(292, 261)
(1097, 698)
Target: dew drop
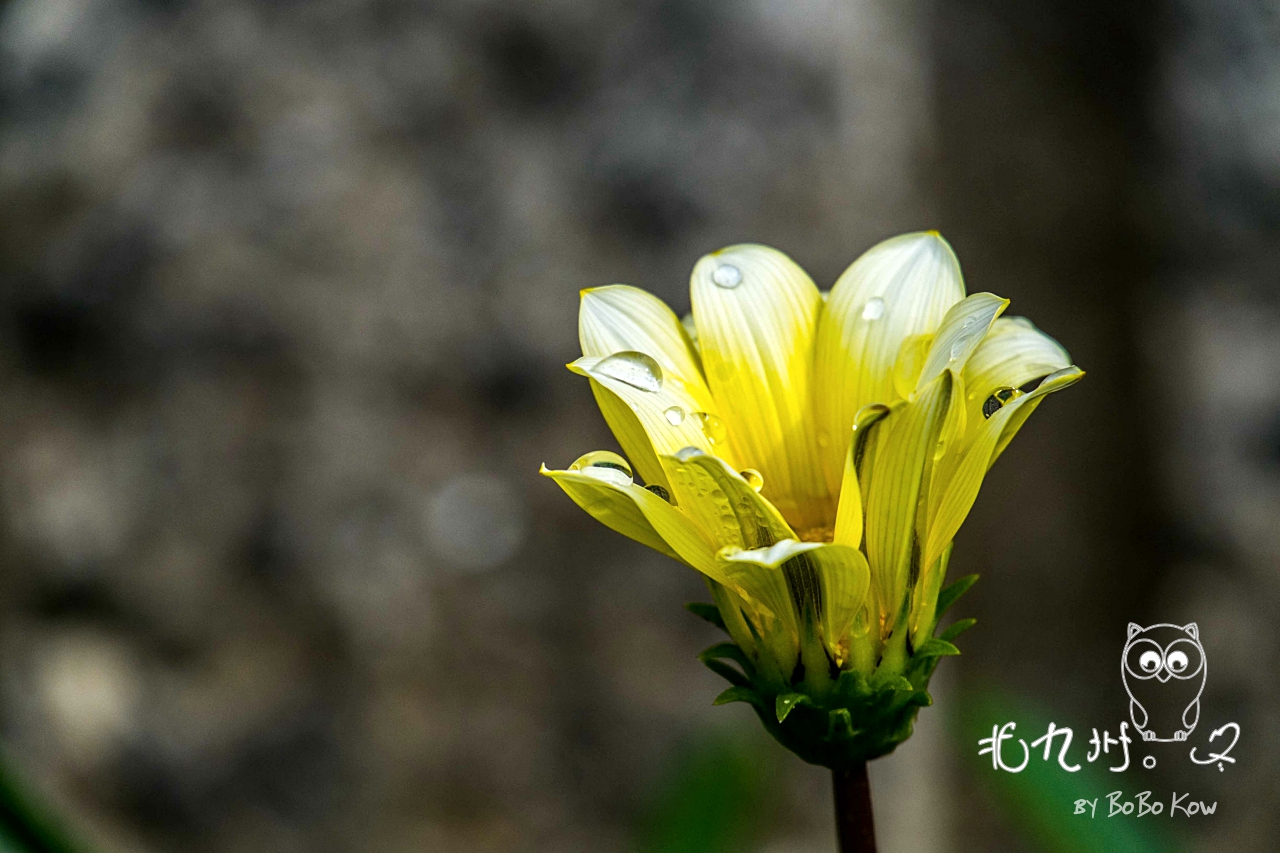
(969, 323)
(712, 427)
(674, 415)
(634, 368)
(754, 478)
(824, 438)
(659, 491)
(727, 276)
(874, 309)
(997, 400)
(958, 348)
(604, 465)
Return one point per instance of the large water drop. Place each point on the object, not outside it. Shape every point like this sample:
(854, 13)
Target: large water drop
(604, 465)
(674, 415)
(634, 368)
(874, 309)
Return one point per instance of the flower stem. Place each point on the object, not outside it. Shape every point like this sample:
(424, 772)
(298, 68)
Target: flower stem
(855, 827)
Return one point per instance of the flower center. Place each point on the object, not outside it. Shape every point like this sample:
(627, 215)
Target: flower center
(817, 534)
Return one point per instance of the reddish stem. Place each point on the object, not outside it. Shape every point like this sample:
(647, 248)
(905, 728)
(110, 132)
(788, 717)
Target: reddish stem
(855, 826)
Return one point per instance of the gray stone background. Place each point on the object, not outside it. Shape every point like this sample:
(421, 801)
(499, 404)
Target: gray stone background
(287, 293)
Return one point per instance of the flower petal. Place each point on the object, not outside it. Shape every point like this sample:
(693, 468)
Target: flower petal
(723, 503)
(840, 572)
(1013, 353)
(618, 318)
(896, 290)
(652, 412)
(963, 329)
(756, 313)
(960, 484)
(661, 526)
(904, 450)
(609, 502)
(848, 529)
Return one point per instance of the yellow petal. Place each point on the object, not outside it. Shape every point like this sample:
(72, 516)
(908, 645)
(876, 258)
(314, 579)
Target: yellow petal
(606, 498)
(898, 289)
(723, 503)
(845, 579)
(960, 485)
(604, 492)
(652, 411)
(1012, 354)
(963, 329)
(620, 318)
(629, 432)
(905, 446)
(848, 529)
(838, 573)
(756, 313)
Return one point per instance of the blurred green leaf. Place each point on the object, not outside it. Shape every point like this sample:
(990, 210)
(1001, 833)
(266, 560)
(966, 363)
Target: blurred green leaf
(25, 825)
(712, 799)
(1040, 801)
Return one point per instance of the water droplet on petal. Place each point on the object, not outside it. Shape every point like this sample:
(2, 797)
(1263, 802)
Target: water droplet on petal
(824, 438)
(874, 309)
(659, 491)
(608, 473)
(674, 415)
(712, 427)
(754, 478)
(958, 348)
(604, 465)
(997, 400)
(727, 276)
(634, 368)
(969, 323)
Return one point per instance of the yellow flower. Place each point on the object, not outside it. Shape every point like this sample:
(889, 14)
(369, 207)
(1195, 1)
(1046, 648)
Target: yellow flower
(813, 456)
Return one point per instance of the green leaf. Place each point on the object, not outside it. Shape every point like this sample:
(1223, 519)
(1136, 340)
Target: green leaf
(951, 592)
(737, 694)
(957, 629)
(935, 648)
(787, 701)
(709, 612)
(730, 651)
(727, 672)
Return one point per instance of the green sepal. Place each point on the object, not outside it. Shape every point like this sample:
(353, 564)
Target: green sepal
(957, 628)
(935, 647)
(950, 593)
(737, 694)
(727, 672)
(709, 612)
(783, 704)
(731, 652)
(852, 684)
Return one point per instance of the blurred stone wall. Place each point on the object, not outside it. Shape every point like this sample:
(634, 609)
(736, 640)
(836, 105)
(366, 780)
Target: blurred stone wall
(288, 291)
